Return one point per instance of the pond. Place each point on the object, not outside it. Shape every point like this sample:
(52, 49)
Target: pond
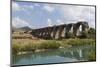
(73, 54)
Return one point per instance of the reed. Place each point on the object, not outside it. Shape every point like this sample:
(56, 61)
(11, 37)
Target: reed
(22, 45)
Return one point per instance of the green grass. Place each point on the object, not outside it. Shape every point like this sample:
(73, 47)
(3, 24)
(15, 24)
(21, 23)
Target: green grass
(82, 42)
(92, 56)
(22, 45)
(49, 45)
(16, 48)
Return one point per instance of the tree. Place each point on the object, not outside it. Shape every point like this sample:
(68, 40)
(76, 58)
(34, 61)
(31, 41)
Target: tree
(92, 33)
(70, 35)
(84, 35)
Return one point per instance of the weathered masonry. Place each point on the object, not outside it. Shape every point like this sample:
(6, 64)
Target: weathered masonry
(60, 31)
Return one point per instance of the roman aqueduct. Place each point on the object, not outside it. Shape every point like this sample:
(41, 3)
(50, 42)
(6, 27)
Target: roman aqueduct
(59, 31)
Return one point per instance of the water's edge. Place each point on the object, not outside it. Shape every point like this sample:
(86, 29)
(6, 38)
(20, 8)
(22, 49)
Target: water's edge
(72, 54)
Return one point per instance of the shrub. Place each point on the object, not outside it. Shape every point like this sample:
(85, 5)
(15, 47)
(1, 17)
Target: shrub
(70, 35)
(23, 46)
(84, 35)
(92, 56)
(75, 42)
(92, 33)
(15, 49)
(30, 45)
(49, 45)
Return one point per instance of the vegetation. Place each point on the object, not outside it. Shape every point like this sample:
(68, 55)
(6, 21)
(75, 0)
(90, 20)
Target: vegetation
(19, 46)
(49, 45)
(92, 33)
(84, 35)
(23, 42)
(78, 42)
(70, 35)
(22, 45)
(92, 56)
(21, 36)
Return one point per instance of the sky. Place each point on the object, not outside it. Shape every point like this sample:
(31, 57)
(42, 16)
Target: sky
(38, 15)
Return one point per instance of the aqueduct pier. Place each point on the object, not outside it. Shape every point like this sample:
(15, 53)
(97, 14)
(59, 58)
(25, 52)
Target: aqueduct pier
(60, 31)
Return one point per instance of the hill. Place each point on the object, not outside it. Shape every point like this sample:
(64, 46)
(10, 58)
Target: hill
(26, 28)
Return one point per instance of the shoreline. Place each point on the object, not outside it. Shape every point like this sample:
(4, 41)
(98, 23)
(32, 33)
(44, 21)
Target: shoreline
(26, 46)
(43, 50)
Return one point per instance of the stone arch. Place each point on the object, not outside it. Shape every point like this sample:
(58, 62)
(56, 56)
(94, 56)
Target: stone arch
(81, 24)
(56, 32)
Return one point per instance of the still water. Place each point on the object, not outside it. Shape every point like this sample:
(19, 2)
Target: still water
(73, 54)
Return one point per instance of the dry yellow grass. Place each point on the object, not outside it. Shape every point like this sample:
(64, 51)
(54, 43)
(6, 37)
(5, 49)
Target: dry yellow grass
(26, 41)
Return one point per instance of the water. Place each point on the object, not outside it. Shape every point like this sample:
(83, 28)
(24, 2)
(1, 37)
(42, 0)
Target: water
(73, 54)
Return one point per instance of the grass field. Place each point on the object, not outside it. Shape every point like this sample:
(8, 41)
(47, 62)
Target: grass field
(19, 45)
(25, 43)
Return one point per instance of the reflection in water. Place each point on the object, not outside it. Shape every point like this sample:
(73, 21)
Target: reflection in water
(80, 53)
(54, 56)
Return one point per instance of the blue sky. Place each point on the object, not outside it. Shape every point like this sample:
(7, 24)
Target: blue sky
(38, 15)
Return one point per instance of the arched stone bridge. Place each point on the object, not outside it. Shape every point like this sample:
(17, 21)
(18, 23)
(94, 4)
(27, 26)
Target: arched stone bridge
(60, 31)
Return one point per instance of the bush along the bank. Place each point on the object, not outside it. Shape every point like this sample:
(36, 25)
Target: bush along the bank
(29, 45)
(49, 45)
(92, 56)
(84, 35)
(92, 33)
(81, 42)
(23, 47)
(16, 48)
(70, 35)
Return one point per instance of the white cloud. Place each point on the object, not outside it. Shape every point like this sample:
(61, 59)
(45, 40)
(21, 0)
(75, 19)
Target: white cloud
(59, 22)
(36, 5)
(31, 6)
(28, 7)
(72, 12)
(48, 8)
(49, 22)
(15, 6)
(17, 22)
(76, 13)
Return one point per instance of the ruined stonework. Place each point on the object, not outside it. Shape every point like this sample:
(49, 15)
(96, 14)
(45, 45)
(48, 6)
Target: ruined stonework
(60, 31)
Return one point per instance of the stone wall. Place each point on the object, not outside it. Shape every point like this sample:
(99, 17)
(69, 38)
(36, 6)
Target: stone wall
(59, 31)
